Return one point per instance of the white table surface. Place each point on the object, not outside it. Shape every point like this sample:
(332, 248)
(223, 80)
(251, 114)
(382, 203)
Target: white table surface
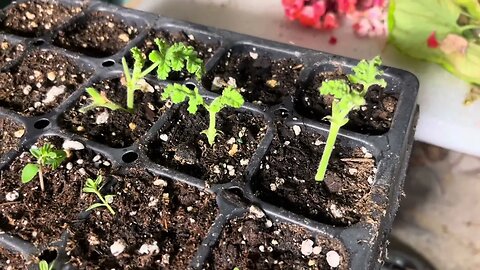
(444, 120)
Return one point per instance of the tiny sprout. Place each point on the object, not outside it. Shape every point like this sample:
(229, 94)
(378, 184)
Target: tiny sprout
(99, 100)
(345, 100)
(178, 93)
(94, 186)
(46, 156)
(236, 268)
(43, 265)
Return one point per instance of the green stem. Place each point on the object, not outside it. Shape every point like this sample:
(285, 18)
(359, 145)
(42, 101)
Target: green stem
(105, 202)
(148, 70)
(327, 152)
(40, 176)
(468, 27)
(211, 131)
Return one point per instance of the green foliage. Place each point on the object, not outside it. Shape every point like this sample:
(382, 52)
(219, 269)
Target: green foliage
(46, 155)
(99, 100)
(179, 93)
(43, 265)
(345, 100)
(94, 186)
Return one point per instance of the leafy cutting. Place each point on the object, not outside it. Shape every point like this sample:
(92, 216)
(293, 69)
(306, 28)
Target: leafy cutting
(230, 97)
(43, 265)
(345, 100)
(94, 186)
(47, 156)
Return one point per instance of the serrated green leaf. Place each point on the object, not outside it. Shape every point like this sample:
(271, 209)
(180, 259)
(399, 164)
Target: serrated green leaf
(366, 73)
(29, 172)
(336, 88)
(178, 93)
(35, 151)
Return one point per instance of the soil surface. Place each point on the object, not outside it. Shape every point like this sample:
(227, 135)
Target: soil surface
(117, 128)
(253, 242)
(180, 145)
(10, 134)
(373, 118)
(157, 225)
(36, 18)
(9, 52)
(262, 79)
(287, 178)
(42, 81)
(41, 217)
(204, 49)
(98, 34)
(11, 261)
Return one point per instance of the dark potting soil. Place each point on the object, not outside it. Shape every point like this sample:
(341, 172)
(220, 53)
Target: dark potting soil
(250, 242)
(373, 118)
(204, 49)
(10, 134)
(98, 34)
(42, 81)
(36, 18)
(158, 225)
(41, 217)
(287, 178)
(115, 128)
(9, 52)
(263, 79)
(181, 146)
(11, 261)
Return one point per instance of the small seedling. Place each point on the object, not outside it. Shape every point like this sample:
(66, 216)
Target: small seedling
(94, 186)
(178, 93)
(43, 265)
(46, 155)
(99, 100)
(345, 100)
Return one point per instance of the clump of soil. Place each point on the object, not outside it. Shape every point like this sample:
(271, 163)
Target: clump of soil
(287, 178)
(38, 17)
(10, 260)
(117, 128)
(41, 217)
(263, 79)
(9, 52)
(42, 81)
(158, 225)
(374, 118)
(98, 34)
(180, 145)
(10, 134)
(205, 50)
(254, 242)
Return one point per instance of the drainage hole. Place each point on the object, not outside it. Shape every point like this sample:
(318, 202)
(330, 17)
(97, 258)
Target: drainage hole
(108, 63)
(129, 157)
(48, 255)
(41, 124)
(190, 85)
(38, 42)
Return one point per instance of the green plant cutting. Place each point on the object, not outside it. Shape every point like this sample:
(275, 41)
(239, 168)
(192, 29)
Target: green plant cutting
(230, 97)
(164, 59)
(94, 186)
(347, 99)
(46, 156)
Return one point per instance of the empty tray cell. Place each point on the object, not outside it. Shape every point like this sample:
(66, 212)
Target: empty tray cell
(40, 217)
(287, 177)
(374, 118)
(158, 225)
(11, 133)
(205, 46)
(98, 34)
(10, 51)
(36, 18)
(265, 76)
(42, 81)
(115, 128)
(250, 242)
(181, 145)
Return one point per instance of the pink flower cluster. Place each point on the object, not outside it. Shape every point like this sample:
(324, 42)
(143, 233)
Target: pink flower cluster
(368, 16)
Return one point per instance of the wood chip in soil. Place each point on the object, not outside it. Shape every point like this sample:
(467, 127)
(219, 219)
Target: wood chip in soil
(180, 145)
(36, 18)
(10, 260)
(117, 128)
(41, 217)
(10, 134)
(42, 81)
(374, 118)
(264, 80)
(158, 225)
(253, 242)
(205, 49)
(97, 34)
(10, 52)
(287, 178)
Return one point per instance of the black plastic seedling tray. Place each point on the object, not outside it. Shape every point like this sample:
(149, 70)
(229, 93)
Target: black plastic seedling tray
(364, 243)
